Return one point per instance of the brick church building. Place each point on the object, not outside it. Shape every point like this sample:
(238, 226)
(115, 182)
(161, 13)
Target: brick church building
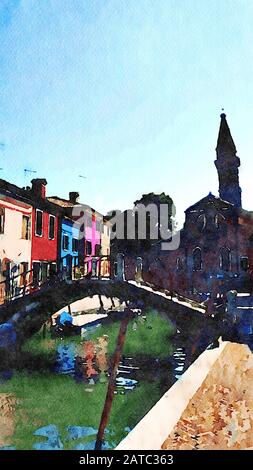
(216, 247)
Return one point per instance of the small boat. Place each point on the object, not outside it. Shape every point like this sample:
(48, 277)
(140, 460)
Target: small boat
(65, 330)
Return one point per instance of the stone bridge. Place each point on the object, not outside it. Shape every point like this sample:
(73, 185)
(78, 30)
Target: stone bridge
(28, 314)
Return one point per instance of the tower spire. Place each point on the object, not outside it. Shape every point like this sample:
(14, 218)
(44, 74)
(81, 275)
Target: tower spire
(227, 164)
(225, 140)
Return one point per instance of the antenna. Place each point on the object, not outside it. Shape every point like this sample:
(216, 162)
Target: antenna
(26, 172)
(29, 171)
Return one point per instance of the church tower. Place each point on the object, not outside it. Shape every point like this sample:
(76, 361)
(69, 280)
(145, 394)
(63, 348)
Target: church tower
(227, 164)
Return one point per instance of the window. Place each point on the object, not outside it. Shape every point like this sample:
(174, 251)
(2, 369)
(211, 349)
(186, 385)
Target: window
(38, 223)
(1, 219)
(225, 259)
(244, 262)
(36, 273)
(197, 259)
(51, 227)
(6, 266)
(23, 273)
(219, 220)
(26, 227)
(74, 244)
(88, 248)
(44, 271)
(94, 266)
(179, 264)
(65, 242)
(201, 222)
(115, 269)
(52, 269)
(97, 250)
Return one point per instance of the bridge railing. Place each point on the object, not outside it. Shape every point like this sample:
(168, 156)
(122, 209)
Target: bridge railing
(239, 313)
(69, 269)
(74, 267)
(16, 286)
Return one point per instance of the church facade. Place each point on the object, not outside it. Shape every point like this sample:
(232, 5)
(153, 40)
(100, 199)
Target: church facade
(216, 247)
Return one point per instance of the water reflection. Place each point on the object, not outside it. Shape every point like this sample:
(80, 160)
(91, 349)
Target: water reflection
(66, 357)
(54, 441)
(88, 362)
(102, 357)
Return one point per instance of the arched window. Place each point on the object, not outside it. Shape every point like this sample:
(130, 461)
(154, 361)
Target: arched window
(138, 265)
(201, 222)
(225, 259)
(197, 259)
(244, 262)
(179, 263)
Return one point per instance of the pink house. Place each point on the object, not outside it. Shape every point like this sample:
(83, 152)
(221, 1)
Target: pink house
(92, 241)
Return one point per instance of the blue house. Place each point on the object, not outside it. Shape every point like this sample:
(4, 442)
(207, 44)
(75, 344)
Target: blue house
(71, 247)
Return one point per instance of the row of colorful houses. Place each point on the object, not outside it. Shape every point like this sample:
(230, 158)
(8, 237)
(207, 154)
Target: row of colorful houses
(43, 236)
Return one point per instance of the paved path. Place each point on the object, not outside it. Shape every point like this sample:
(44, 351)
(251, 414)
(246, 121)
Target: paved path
(187, 303)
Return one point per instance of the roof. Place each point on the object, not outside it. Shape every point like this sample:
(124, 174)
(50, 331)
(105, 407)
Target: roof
(210, 198)
(8, 198)
(12, 190)
(26, 195)
(66, 204)
(61, 202)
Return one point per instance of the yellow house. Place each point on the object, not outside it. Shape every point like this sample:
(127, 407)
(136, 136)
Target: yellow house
(105, 248)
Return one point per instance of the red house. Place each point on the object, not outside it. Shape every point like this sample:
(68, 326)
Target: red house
(45, 233)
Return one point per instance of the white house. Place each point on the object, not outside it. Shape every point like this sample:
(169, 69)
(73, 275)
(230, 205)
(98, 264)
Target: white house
(15, 242)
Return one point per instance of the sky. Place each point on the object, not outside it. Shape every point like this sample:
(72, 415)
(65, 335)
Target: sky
(127, 93)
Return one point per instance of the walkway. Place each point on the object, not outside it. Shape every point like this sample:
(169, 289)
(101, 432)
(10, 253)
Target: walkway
(176, 299)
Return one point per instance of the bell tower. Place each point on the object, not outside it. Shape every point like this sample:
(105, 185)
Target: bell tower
(227, 164)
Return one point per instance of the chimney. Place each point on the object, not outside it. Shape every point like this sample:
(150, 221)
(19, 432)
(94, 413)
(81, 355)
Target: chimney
(73, 197)
(39, 188)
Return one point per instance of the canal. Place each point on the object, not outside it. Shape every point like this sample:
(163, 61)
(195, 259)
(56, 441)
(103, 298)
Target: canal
(52, 392)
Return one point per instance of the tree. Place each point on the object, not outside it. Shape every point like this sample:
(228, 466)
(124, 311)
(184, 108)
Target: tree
(153, 223)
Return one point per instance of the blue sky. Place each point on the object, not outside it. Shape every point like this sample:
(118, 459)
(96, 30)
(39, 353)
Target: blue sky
(127, 93)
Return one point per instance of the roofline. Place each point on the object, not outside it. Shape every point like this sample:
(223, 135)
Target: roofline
(211, 196)
(74, 205)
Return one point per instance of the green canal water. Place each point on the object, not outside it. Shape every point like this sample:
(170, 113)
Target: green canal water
(59, 385)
